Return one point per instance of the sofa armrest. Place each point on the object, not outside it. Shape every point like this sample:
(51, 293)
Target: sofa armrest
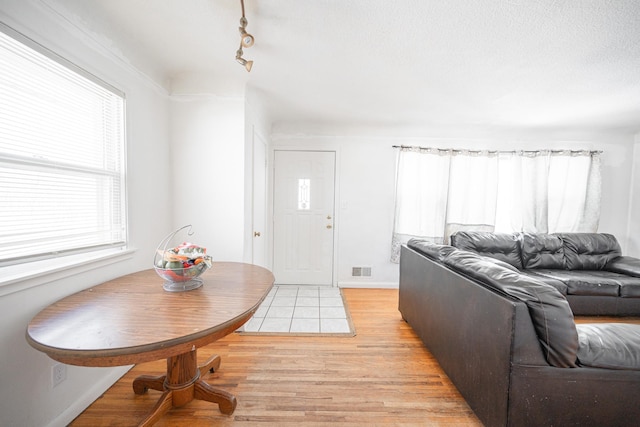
(432, 250)
(624, 265)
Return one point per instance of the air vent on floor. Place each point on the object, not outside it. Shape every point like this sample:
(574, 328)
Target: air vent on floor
(361, 271)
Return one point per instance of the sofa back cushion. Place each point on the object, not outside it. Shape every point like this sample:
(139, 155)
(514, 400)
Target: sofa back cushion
(550, 313)
(544, 251)
(589, 251)
(501, 246)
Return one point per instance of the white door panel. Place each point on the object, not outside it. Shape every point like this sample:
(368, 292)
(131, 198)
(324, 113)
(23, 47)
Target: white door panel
(303, 217)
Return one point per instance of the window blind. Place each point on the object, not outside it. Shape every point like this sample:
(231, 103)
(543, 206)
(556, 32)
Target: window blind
(62, 166)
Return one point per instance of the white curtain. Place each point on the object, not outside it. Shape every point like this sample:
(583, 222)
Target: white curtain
(422, 188)
(574, 192)
(523, 202)
(472, 197)
(439, 192)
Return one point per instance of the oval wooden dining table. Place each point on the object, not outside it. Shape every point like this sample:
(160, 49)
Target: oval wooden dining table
(132, 319)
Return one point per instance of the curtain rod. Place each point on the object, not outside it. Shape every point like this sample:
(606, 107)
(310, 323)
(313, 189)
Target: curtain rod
(457, 150)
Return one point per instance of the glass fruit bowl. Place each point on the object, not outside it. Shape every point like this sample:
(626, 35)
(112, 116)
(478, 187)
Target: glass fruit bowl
(181, 266)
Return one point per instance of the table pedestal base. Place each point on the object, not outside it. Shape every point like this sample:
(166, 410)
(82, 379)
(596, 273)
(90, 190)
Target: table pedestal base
(182, 384)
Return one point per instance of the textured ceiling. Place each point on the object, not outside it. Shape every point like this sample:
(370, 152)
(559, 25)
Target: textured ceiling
(454, 64)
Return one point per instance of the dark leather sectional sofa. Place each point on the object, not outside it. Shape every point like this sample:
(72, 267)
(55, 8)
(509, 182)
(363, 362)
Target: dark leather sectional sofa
(508, 340)
(587, 268)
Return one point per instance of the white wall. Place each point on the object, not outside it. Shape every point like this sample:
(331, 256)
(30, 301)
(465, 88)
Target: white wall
(26, 395)
(617, 177)
(633, 240)
(366, 174)
(207, 152)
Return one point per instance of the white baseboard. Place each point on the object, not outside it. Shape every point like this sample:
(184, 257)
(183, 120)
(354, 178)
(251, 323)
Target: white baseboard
(97, 390)
(364, 285)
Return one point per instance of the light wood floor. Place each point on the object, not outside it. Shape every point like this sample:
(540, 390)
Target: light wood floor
(382, 376)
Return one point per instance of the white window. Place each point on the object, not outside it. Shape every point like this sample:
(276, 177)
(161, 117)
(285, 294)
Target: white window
(439, 192)
(62, 151)
(304, 194)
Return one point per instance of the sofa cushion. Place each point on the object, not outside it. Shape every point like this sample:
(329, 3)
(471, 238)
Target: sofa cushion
(629, 288)
(432, 250)
(502, 246)
(609, 345)
(501, 263)
(589, 251)
(550, 313)
(624, 265)
(542, 251)
(558, 284)
(590, 282)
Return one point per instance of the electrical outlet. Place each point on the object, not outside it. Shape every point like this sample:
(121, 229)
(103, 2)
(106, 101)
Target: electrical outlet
(58, 374)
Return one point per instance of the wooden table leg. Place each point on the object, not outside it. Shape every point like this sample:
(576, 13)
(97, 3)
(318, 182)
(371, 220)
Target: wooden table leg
(226, 401)
(146, 382)
(162, 405)
(182, 384)
(210, 366)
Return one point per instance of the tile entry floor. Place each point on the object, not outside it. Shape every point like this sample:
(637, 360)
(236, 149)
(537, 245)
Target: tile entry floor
(300, 309)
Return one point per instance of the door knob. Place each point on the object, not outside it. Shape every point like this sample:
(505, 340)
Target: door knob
(329, 226)
(256, 234)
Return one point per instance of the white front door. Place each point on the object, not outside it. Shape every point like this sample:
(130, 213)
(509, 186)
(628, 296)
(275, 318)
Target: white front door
(303, 211)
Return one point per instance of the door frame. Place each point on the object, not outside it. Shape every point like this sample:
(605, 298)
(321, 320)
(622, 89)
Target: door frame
(257, 138)
(336, 198)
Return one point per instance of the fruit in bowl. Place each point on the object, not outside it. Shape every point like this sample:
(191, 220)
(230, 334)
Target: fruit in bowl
(183, 263)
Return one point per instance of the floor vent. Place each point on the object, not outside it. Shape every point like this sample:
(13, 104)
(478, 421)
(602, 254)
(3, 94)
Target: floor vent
(361, 271)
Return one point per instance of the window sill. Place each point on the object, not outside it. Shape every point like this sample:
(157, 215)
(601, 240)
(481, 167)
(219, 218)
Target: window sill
(24, 276)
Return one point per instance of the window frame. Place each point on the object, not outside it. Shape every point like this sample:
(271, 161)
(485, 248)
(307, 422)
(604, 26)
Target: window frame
(33, 265)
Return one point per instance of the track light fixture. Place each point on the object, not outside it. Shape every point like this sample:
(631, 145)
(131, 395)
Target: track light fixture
(242, 61)
(246, 40)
